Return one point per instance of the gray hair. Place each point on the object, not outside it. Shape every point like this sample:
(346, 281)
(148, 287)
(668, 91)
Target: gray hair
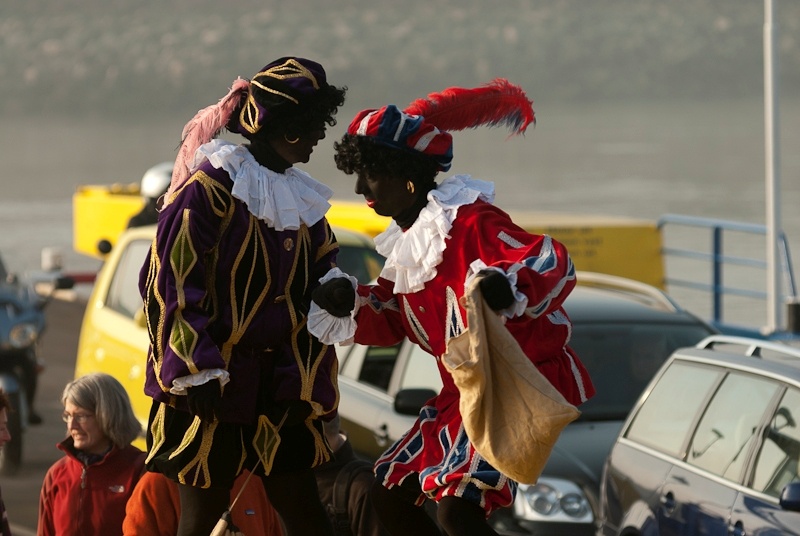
(104, 396)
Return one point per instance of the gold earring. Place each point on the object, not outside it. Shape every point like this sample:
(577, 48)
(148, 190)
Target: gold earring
(410, 187)
(291, 141)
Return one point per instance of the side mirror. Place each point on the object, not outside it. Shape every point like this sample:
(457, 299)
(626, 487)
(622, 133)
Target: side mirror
(104, 246)
(63, 282)
(410, 401)
(139, 318)
(790, 497)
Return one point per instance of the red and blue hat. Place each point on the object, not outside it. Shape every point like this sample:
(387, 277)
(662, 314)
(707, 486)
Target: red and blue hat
(424, 124)
(391, 127)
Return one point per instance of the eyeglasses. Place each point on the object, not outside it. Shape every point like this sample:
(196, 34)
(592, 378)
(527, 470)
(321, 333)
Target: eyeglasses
(80, 418)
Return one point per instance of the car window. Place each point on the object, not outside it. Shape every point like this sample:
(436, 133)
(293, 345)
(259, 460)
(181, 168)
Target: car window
(777, 463)
(363, 263)
(623, 358)
(730, 424)
(667, 415)
(421, 371)
(378, 365)
(123, 293)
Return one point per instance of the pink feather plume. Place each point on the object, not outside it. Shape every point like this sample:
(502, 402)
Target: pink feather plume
(202, 128)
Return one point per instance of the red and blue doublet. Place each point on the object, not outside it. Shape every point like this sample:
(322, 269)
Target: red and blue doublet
(428, 268)
(226, 287)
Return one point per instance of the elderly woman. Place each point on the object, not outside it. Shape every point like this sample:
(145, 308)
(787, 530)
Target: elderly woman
(237, 380)
(443, 235)
(86, 491)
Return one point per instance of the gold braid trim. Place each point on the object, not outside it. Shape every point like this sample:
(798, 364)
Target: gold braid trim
(266, 441)
(157, 431)
(289, 69)
(328, 245)
(273, 91)
(183, 257)
(197, 468)
(157, 332)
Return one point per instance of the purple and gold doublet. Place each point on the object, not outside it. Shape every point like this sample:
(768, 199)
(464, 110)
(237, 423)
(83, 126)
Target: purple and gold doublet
(226, 292)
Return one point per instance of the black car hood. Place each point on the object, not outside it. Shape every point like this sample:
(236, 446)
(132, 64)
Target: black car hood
(581, 451)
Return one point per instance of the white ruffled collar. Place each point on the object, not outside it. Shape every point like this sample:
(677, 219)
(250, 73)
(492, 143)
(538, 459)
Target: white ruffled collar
(282, 200)
(412, 255)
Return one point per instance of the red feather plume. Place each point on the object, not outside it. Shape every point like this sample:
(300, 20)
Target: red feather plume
(497, 103)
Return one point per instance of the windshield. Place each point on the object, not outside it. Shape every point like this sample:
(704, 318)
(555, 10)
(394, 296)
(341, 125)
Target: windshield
(362, 262)
(623, 358)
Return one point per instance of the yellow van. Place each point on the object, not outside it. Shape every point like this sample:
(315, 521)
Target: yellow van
(615, 245)
(113, 336)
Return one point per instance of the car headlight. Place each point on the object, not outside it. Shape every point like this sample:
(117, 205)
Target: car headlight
(23, 335)
(553, 500)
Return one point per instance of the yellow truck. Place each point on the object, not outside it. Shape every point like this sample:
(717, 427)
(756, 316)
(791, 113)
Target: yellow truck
(621, 246)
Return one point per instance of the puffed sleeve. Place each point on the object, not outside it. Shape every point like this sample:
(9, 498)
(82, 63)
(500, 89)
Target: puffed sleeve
(173, 283)
(538, 267)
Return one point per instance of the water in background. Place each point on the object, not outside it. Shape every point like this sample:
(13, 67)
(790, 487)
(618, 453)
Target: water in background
(634, 159)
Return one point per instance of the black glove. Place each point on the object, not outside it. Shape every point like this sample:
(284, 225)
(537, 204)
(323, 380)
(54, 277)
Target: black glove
(336, 296)
(205, 400)
(496, 290)
(296, 411)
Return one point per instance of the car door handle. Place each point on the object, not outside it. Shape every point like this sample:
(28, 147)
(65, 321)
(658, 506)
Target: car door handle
(668, 503)
(382, 435)
(737, 529)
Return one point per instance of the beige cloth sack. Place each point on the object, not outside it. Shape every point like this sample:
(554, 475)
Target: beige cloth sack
(512, 414)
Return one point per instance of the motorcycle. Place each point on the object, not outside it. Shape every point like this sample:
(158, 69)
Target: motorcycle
(22, 322)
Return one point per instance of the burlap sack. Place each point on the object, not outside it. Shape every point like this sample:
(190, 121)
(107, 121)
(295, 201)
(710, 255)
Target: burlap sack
(512, 414)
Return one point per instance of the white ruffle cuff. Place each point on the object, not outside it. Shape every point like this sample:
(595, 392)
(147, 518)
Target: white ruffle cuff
(331, 329)
(520, 300)
(180, 385)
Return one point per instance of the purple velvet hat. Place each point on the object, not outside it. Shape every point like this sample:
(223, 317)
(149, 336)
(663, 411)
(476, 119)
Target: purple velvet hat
(288, 80)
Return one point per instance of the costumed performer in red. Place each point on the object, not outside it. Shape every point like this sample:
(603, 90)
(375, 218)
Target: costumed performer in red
(442, 235)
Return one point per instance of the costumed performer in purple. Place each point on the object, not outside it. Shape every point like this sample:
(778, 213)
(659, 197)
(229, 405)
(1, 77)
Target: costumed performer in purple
(237, 380)
(443, 235)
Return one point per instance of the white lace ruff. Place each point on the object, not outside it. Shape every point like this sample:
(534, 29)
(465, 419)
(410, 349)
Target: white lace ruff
(412, 255)
(282, 200)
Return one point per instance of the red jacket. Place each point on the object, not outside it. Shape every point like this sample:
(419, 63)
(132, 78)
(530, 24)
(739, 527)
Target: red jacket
(78, 500)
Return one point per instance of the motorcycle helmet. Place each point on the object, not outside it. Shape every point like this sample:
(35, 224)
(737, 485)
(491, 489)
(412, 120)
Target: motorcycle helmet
(156, 180)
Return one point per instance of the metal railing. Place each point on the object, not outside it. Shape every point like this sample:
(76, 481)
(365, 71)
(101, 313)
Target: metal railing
(643, 291)
(717, 261)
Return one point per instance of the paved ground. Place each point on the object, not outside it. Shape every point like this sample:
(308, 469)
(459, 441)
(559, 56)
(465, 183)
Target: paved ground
(59, 348)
